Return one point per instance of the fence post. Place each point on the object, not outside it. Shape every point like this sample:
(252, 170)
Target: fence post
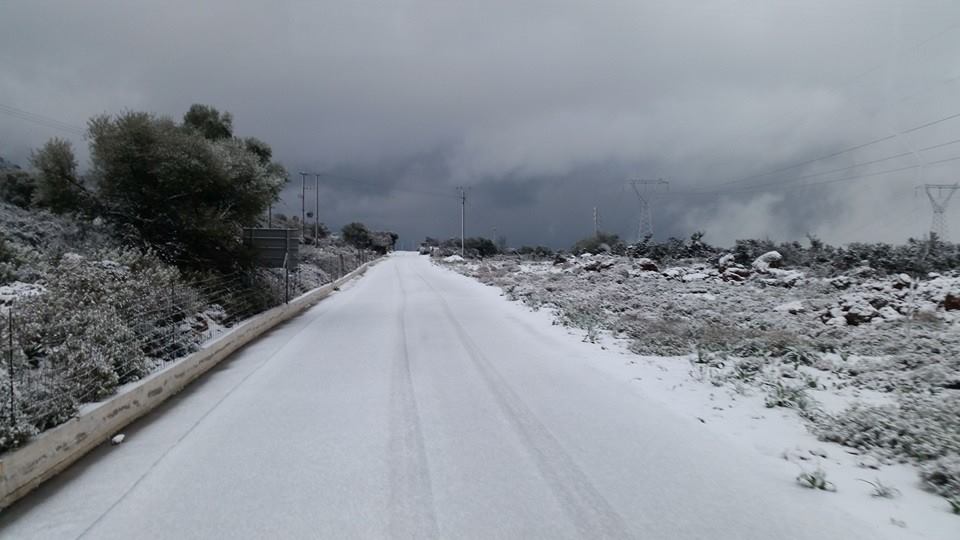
(173, 319)
(13, 415)
(341, 266)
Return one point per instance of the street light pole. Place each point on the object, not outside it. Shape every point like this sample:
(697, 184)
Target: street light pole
(463, 209)
(303, 202)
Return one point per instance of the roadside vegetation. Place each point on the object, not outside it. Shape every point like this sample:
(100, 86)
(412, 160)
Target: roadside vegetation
(875, 323)
(106, 274)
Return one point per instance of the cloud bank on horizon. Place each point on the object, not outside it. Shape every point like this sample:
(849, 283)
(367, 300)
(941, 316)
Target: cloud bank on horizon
(543, 108)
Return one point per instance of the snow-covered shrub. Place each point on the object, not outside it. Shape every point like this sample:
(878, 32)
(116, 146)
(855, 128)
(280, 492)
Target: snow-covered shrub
(942, 476)
(922, 427)
(14, 429)
(97, 322)
(780, 394)
(667, 337)
(816, 480)
(775, 343)
(881, 490)
(747, 369)
(800, 356)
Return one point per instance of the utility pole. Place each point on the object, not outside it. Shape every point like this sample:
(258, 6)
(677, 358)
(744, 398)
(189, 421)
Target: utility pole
(646, 191)
(316, 214)
(939, 204)
(463, 210)
(303, 202)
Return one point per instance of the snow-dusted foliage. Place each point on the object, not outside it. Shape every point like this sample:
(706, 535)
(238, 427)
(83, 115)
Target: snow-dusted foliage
(97, 322)
(326, 257)
(793, 335)
(87, 316)
(942, 476)
(917, 426)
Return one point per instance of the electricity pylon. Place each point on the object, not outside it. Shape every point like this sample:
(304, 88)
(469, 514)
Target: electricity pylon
(939, 202)
(647, 191)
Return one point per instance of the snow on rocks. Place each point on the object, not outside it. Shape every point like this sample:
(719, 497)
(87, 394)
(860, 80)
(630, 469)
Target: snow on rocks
(598, 265)
(857, 309)
(9, 294)
(892, 299)
(453, 258)
(645, 264)
(765, 262)
(782, 278)
(794, 307)
(736, 274)
(726, 260)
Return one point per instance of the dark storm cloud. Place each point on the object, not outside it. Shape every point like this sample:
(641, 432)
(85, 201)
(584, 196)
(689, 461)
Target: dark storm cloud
(543, 108)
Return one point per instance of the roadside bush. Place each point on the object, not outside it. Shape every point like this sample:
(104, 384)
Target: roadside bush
(783, 395)
(942, 476)
(599, 243)
(101, 322)
(538, 252)
(17, 187)
(667, 337)
(919, 427)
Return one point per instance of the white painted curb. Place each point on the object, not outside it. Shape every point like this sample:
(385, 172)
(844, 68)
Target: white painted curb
(25, 468)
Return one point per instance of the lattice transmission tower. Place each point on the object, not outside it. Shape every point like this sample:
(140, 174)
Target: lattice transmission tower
(647, 191)
(940, 195)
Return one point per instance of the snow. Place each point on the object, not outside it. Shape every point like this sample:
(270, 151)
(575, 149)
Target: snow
(453, 258)
(795, 306)
(710, 392)
(418, 402)
(764, 262)
(9, 294)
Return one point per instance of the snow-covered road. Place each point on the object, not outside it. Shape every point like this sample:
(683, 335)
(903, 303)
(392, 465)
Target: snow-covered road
(419, 403)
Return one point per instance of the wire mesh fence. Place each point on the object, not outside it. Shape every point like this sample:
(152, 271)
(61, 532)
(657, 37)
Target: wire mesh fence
(59, 356)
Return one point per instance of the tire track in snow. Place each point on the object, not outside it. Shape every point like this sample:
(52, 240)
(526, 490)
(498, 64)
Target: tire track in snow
(588, 510)
(411, 498)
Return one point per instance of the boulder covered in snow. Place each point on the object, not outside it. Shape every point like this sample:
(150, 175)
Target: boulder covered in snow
(726, 261)
(841, 282)
(598, 265)
(647, 265)
(736, 273)
(902, 281)
(783, 278)
(857, 310)
(793, 307)
(560, 258)
(453, 258)
(694, 276)
(765, 262)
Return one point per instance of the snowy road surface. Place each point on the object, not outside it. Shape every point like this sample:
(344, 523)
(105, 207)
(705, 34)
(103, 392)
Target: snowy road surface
(417, 403)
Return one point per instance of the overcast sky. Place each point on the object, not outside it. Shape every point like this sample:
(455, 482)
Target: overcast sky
(543, 108)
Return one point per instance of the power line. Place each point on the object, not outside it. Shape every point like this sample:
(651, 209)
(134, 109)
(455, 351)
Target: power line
(753, 189)
(39, 119)
(841, 152)
(389, 188)
(831, 171)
